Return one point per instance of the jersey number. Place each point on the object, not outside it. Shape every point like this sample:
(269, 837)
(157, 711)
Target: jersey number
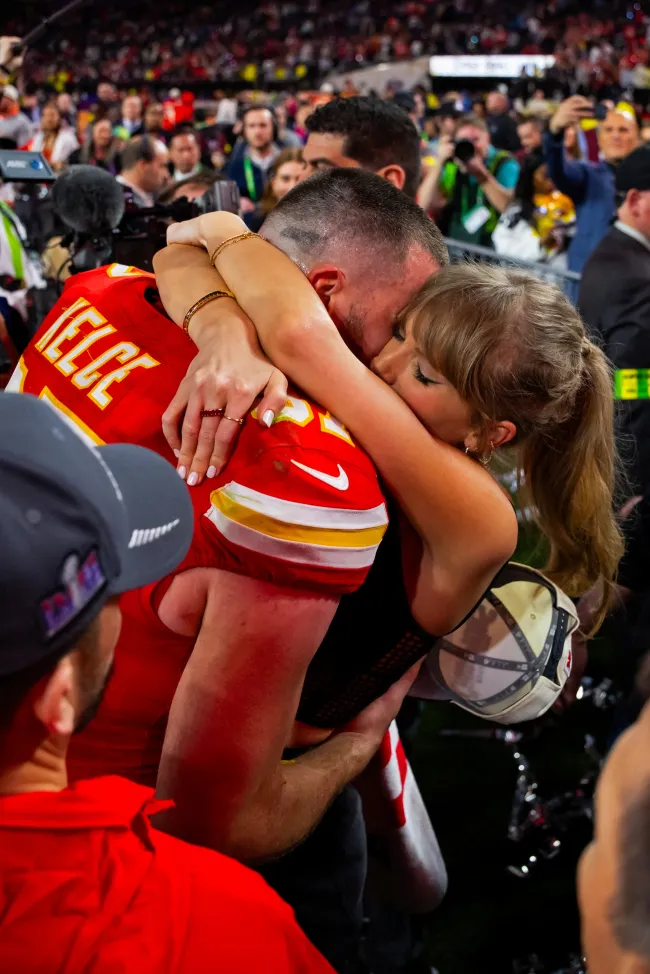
(300, 412)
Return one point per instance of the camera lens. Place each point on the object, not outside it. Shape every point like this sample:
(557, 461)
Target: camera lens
(464, 150)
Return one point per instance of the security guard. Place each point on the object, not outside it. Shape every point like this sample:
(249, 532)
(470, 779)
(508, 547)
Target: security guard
(615, 304)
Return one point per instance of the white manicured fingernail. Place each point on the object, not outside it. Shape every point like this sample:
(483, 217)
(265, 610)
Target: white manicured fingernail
(181, 472)
(177, 453)
(268, 417)
(212, 472)
(193, 479)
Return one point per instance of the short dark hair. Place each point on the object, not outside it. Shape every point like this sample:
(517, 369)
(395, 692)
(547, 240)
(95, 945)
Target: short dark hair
(377, 134)
(349, 205)
(206, 177)
(139, 149)
(183, 129)
(533, 120)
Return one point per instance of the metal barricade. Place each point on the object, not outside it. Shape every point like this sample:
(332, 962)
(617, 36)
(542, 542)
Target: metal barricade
(569, 281)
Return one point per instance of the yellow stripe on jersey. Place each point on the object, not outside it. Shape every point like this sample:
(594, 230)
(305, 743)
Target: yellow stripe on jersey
(301, 533)
(17, 380)
(80, 428)
(363, 538)
(309, 515)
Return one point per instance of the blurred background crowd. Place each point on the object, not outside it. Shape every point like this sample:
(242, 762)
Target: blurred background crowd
(598, 45)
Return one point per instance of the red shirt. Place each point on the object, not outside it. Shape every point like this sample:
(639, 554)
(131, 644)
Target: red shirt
(88, 886)
(298, 504)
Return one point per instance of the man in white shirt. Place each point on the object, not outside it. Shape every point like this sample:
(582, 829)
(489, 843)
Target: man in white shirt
(131, 123)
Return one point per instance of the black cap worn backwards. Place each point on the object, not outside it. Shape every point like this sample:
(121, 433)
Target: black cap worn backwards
(634, 171)
(77, 525)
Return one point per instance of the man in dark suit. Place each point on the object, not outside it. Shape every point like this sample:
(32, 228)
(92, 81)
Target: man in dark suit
(615, 304)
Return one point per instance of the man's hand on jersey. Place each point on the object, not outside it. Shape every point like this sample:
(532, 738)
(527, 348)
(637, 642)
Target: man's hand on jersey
(228, 374)
(373, 722)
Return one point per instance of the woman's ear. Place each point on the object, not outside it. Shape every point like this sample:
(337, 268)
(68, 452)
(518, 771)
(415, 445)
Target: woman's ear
(502, 433)
(486, 440)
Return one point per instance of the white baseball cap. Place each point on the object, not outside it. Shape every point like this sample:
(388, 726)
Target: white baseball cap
(509, 661)
(9, 91)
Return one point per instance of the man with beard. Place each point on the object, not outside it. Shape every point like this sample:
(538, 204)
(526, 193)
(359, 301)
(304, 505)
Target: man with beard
(83, 876)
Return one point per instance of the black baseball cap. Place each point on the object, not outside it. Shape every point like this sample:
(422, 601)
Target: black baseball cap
(634, 171)
(448, 110)
(404, 100)
(78, 524)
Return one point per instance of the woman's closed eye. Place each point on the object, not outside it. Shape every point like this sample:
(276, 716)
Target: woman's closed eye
(419, 375)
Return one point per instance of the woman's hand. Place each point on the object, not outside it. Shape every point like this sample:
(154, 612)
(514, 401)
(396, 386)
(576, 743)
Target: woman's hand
(220, 226)
(228, 373)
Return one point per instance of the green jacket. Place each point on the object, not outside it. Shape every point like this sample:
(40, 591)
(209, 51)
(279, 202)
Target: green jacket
(463, 195)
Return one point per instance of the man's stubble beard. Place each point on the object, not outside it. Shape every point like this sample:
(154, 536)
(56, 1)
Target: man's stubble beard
(90, 711)
(352, 329)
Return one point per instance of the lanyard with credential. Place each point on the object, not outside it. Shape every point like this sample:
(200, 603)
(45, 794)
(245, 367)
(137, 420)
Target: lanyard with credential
(480, 198)
(250, 179)
(14, 241)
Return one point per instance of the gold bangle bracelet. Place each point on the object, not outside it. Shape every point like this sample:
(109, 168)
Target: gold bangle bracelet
(201, 303)
(228, 242)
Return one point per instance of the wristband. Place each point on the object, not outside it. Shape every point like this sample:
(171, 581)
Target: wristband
(201, 303)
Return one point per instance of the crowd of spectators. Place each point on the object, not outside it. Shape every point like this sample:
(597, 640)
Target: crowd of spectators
(276, 41)
(533, 177)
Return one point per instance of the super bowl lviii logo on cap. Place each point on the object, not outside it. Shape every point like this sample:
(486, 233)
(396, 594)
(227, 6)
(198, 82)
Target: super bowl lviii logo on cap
(80, 583)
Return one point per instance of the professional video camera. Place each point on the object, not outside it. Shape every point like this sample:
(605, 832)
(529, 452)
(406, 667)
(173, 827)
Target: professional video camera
(103, 228)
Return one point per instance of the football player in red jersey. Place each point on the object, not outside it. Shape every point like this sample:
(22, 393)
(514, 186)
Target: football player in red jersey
(290, 525)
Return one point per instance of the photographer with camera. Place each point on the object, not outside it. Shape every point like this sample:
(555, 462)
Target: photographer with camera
(470, 184)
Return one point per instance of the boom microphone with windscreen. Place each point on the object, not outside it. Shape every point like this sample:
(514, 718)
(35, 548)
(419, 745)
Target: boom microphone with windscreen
(89, 200)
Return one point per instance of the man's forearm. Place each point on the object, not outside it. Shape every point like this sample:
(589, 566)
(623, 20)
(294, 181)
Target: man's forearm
(429, 196)
(288, 811)
(497, 195)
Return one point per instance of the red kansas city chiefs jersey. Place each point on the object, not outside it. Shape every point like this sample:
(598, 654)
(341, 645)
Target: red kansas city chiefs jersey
(298, 504)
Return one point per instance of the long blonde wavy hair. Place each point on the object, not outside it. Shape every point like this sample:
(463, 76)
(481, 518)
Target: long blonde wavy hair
(516, 349)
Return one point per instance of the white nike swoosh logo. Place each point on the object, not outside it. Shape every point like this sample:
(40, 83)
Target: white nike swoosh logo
(339, 483)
